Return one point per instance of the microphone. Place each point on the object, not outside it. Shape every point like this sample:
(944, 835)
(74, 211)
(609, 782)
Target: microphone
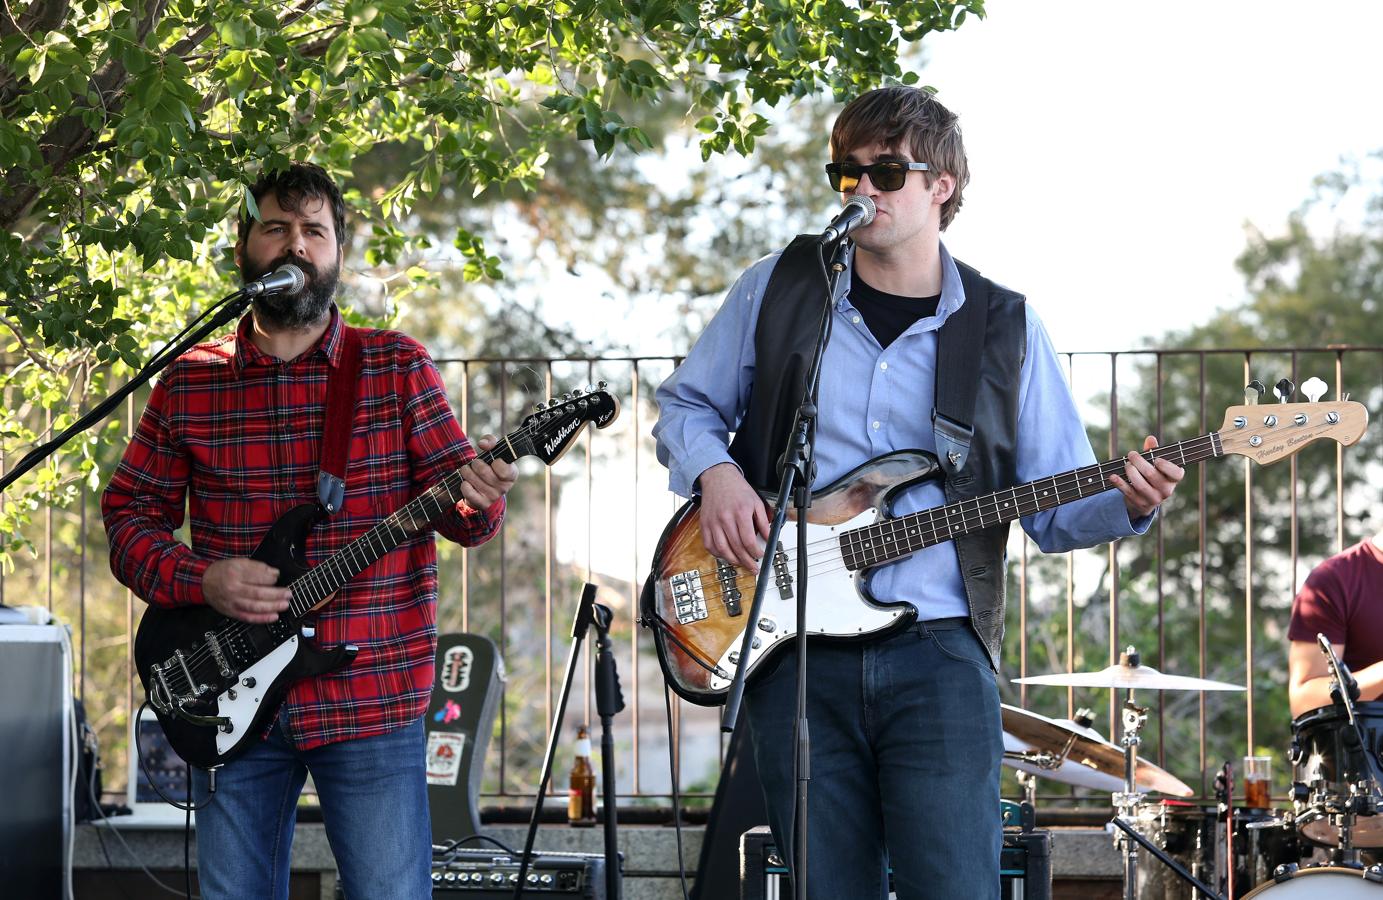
(286, 279)
(858, 212)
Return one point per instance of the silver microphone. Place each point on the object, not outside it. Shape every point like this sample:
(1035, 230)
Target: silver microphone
(858, 212)
(286, 279)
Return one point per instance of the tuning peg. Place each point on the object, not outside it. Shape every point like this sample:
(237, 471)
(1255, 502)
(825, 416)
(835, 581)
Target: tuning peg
(577, 392)
(1314, 389)
(1253, 391)
(539, 406)
(552, 401)
(1284, 390)
(601, 385)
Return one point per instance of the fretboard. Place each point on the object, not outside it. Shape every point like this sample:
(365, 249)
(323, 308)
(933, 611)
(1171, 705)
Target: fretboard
(895, 538)
(415, 517)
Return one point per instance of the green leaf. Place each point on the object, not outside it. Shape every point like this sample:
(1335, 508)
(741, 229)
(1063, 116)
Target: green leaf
(337, 54)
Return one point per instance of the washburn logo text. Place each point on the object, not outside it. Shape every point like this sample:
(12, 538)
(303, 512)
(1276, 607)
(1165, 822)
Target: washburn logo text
(551, 446)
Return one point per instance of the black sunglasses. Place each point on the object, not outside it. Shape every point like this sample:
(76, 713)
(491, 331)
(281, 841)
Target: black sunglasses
(886, 176)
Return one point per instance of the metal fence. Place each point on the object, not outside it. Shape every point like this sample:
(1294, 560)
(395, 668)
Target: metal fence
(1206, 592)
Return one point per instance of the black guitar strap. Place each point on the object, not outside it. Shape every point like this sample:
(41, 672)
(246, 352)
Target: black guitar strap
(959, 347)
(343, 387)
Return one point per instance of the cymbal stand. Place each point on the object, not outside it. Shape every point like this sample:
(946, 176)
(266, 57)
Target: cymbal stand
(1127, 802)
(1130, 798)
(1028, 782)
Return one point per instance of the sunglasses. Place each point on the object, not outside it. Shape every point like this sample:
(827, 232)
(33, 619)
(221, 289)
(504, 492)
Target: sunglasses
(886, 176)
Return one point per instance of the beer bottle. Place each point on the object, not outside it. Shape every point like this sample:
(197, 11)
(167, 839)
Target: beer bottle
(581, 799)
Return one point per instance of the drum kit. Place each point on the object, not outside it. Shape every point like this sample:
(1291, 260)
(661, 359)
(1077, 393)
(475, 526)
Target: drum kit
(1218, 851)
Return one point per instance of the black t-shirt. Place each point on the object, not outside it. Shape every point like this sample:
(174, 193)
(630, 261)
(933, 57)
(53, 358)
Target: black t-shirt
(888, 315)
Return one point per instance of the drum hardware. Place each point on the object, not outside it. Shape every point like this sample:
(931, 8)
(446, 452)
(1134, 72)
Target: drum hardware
(1334, 754)
(1130, 675)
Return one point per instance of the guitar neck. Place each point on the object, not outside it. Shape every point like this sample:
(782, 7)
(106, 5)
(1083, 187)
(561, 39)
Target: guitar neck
(407, 521)
(895, 538)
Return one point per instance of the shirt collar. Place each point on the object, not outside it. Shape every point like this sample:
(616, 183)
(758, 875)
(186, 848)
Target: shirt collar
(952, 291)
(328, 346)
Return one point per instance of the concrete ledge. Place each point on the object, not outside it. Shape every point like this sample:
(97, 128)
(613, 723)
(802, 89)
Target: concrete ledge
(650, 852)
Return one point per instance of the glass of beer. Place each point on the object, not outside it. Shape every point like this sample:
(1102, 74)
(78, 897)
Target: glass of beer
(1258, 780)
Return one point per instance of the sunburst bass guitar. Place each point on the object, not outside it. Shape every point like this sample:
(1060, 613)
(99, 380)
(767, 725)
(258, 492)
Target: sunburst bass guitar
(697, 604)
(215, 683)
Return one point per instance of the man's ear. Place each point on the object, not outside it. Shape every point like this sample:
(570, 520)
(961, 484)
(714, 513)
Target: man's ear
(943, 187)
(240, 254)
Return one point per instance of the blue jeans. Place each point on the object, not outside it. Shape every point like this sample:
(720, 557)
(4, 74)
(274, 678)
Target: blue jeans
(374, 806)
(906, 744)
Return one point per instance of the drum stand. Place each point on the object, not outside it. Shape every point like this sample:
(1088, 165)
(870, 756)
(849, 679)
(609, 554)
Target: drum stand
(1127, 802)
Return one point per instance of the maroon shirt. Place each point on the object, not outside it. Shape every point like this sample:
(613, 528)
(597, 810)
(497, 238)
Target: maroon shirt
(232, 437)
(1343, 599)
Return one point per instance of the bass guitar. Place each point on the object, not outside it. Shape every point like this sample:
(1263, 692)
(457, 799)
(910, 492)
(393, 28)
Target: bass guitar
(696, 603)
(215, 683)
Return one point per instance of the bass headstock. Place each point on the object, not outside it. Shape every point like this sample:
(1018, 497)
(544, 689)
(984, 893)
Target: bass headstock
(1267, 432)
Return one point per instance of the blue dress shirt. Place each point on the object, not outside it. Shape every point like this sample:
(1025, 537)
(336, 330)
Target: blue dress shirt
(877, 400)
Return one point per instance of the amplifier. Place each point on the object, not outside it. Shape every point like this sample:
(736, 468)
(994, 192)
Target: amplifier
(1025, 867)
(480, 873)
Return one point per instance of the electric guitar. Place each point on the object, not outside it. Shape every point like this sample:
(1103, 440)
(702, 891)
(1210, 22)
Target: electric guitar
(215, 683)
(696, 603)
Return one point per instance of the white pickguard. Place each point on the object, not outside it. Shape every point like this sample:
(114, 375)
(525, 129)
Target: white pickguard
(242, 708)
(835, 604)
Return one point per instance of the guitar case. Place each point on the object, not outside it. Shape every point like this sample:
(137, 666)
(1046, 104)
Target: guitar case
(460, 719)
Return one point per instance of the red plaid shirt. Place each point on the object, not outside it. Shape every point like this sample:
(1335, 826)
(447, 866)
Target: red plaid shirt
(234, 436)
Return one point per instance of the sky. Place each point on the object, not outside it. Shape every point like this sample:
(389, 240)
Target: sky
(1118, 149)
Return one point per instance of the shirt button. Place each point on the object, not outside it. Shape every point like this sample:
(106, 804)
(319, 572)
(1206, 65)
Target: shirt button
(876, 425)
(884, 366)
(855, 319)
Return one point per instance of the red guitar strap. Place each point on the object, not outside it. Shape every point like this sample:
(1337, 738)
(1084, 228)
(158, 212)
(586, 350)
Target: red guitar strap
(343, 386)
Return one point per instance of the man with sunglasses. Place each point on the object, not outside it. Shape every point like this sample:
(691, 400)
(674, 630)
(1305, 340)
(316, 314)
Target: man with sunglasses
(906, 740)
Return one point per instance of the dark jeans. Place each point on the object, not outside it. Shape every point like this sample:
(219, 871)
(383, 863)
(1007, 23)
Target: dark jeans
(374, 805)
(906, 744)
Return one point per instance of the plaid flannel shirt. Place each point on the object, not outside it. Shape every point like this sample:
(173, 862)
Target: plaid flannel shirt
(233, 436)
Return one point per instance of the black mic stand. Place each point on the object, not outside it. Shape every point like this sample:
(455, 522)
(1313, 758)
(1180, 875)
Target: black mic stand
(609, 700)
(797, 470)
(231, 306)
(586, 612)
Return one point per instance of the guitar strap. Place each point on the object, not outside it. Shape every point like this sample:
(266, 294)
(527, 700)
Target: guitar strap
(343, 386)
(960, 345)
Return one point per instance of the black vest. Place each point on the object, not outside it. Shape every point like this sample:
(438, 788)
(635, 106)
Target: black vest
(783, 354)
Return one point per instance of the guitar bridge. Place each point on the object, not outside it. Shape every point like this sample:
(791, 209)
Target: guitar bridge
(688, 597)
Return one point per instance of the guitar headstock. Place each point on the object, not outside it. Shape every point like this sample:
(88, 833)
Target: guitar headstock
(549, 432)
(1267, 432)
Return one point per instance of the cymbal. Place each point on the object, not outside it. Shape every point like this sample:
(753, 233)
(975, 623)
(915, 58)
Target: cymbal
(1136, 677)
(1088, 761)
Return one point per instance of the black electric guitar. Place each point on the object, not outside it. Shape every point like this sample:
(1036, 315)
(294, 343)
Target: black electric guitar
(215, 683)
(696, 603)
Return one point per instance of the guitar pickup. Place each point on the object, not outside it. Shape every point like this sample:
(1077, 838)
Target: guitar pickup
(782, 577)
(728, 576)
(688, 597)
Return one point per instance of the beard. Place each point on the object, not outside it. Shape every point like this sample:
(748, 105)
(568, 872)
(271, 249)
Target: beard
(308, 306)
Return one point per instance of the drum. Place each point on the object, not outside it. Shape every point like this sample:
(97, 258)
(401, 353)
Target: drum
(1194, 837)
(1316, 882)
(1325, 759)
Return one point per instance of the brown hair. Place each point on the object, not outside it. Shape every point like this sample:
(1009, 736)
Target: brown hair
(901, 116)
(301, 180)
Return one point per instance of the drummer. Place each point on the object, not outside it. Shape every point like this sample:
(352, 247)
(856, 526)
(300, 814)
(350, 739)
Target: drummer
(1343, 600)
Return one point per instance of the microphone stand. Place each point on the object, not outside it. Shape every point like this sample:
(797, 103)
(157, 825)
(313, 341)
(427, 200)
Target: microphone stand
(797, 469)
(609, 700)
(231, 306)
(585, 614)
